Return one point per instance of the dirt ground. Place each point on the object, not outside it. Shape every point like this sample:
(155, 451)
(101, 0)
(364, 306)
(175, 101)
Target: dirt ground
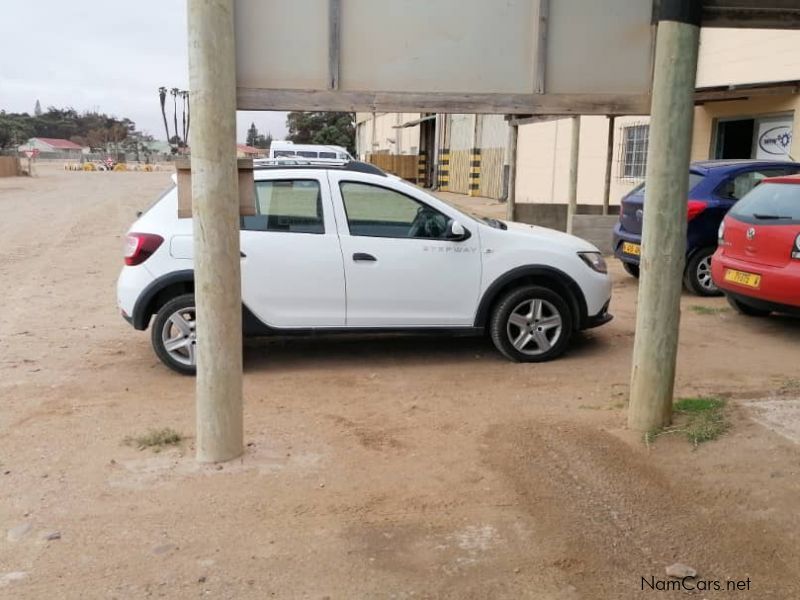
(374, 468)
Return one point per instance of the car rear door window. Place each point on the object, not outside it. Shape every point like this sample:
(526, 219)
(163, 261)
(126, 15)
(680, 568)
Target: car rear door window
(376, 211)
(288, 206)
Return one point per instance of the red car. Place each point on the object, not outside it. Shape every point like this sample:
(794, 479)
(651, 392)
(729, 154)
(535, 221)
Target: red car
(757, 262)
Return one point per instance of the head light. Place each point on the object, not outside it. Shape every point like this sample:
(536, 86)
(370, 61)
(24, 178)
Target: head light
(595, 261)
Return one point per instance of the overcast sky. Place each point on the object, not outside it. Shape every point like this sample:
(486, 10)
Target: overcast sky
(107, 56)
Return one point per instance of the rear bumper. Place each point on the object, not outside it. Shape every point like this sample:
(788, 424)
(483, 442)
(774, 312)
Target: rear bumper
(760, 304)
(779, 289)
(621, 236)
(130, 285)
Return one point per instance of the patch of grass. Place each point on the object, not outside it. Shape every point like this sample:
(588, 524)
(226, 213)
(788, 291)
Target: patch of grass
(702, 420)
(708, 310)
(789, 385)
(156, 439)
(698, 405)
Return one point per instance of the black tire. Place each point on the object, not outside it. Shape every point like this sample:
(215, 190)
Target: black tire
(520, 299)
(631, 269)
(744, 309)
(181, 304)
(697, 276)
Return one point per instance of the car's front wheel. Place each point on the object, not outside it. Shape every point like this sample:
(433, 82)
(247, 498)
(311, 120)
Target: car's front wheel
(697, 276)
(531, 324)
(174, 335)
(745, 309)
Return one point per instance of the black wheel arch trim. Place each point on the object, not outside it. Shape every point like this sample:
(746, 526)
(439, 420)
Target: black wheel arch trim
(141, 314)
(575, 298)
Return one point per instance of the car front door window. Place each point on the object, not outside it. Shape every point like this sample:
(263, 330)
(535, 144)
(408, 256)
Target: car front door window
(374, 211)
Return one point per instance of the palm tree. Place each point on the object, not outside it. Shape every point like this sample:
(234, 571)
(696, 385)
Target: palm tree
(185, 97)
(188, 115)
(174, 93)
(162, 95)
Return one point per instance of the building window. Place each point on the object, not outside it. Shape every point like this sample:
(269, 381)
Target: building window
(633, 155)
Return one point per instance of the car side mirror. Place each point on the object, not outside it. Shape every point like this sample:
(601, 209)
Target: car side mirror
(456, 232)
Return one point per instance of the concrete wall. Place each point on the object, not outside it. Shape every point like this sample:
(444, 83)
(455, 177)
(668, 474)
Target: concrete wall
(738, 56)
(705, 119)
(388, 138)
(543, 161)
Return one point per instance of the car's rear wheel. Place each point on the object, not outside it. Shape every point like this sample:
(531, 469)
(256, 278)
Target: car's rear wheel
(174, 335)
(631, 269)
(697, 276)
(746, 309)
(531, 324)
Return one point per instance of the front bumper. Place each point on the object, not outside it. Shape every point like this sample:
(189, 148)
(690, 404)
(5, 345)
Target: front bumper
(600, 318)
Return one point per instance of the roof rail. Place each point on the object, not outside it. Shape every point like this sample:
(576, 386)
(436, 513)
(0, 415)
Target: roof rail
(300, 163)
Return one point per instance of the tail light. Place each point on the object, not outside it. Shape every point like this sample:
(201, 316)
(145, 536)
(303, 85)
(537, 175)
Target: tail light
(140, 246)
(694, 208)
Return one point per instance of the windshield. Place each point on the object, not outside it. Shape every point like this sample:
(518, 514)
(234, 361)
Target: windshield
(770, 202)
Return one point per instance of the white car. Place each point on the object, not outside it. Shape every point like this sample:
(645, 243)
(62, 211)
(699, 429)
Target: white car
(349, 248)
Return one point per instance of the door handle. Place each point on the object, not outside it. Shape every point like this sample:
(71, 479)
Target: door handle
(242, 254)
(363, 256)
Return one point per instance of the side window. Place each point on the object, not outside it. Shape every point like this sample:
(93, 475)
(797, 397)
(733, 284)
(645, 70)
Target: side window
(736, 188)
(327, 154)
(280, 153)
(289, 206)
(307, 154)
(380, 212)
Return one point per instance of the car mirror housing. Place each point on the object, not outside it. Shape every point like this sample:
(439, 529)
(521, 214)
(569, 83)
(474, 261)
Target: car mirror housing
(456, 232)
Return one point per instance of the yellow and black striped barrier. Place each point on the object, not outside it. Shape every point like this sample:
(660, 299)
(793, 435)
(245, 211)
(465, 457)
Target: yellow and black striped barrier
(444, 169)
(422, 168)
(475, 172)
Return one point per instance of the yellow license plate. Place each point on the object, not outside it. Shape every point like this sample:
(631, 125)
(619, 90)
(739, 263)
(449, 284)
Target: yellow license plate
(747, 279)
(634, 249)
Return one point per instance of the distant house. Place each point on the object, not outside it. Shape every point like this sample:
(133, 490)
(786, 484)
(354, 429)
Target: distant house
(245, 151)
(60, 147)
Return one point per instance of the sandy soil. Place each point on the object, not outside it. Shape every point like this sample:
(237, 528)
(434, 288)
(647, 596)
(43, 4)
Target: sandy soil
(378, 468)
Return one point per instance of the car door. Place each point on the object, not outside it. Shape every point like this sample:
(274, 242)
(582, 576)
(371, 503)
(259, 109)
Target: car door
(403, 266)
(292, 271)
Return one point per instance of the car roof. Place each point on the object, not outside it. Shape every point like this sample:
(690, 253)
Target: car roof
(733, 163)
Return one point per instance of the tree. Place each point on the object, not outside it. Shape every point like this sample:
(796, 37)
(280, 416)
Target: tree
(162, 96)
(330, 128)
(174, 92)
(252, 135)
(37, 109)
(14, 130)
(256, 139)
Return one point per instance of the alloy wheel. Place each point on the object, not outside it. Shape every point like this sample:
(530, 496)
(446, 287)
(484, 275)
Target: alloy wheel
(534, 326)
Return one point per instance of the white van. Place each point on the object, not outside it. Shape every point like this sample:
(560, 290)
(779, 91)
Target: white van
(310, 152)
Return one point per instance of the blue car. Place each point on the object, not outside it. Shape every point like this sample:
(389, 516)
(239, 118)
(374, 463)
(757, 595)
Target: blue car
(714, 187)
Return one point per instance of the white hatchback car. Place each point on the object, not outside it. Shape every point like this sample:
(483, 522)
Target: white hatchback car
(349, 248)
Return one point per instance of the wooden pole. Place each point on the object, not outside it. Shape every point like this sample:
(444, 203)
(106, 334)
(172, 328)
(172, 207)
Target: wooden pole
(511, 202)
(574, 151)
(664, 234)
(217, 268)
(609, 161)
